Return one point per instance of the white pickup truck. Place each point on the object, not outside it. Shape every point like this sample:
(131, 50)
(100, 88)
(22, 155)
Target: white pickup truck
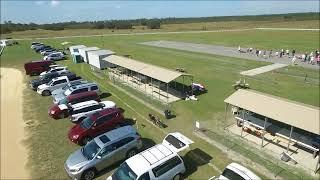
(56, 83)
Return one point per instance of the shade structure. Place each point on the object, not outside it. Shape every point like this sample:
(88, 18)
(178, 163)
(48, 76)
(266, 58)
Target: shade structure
(293, 113)
(155, 72)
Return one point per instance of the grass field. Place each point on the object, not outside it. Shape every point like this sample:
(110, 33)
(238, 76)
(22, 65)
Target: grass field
(49, 146)
(310, 24)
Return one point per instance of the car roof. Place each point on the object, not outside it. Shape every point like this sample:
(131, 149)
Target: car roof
(82, 94)
(150, 158)
(84, 104)
(242, 171)
(82, 85)
(113, 135)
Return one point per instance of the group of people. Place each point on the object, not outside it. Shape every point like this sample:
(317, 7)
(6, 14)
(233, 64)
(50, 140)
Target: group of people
(312, 58)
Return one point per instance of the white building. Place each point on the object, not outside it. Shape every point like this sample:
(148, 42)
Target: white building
(75, 49)
(95, 58)
(84, 52)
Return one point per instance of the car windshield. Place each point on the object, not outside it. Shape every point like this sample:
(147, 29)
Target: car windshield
(67, 92)
(65, 87)
(63, 101)
(124, 172)
(49, 83)
(229, 174)
(86, 123)
(90, 150)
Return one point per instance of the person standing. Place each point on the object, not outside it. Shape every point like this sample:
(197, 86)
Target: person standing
(260, 52)
(264, 54)
(293, 52)
(287, 52)
(239, 49)
(257, 52)
(270, 53)
(294, 60)
(281, 53)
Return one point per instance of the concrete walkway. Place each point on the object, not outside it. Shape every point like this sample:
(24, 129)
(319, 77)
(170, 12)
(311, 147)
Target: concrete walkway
(263, 69)
(223, 51)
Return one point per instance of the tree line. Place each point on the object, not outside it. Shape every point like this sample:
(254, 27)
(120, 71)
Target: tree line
(9, 26)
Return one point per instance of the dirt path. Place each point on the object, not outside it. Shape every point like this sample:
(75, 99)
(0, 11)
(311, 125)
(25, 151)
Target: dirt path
(13, 153)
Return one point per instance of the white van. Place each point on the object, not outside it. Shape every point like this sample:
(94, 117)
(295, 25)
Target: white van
(157, 163)
(236, 171)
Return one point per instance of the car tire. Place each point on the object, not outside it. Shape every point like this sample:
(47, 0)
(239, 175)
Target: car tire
(131, 153)
(89, 174)
(177, 177)
(46, 93)
(86, 140)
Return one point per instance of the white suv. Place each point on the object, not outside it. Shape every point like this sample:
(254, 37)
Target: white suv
(236, 171)
(157, 163)
(60, 70)
(85, 108)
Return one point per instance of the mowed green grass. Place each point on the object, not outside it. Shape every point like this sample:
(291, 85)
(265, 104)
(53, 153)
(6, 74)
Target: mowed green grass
(48, 143)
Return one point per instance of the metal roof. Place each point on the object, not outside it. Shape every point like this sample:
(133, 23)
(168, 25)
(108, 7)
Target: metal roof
(77, 46)
(102, 52)
(296, 114)
(155, 72)
(89, 49)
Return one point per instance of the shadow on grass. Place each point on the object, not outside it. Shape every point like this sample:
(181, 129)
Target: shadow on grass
(193, 159)
(105, 95)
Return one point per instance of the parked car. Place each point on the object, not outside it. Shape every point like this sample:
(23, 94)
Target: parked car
(47, 78)
(157, 163)
(34, 44)
(236, 171)
(41, 47)
(37, 67)
(78, 115)
(79, 109)
(55, 56)
(5, 42)
(80, 97)
(76, 89)
(56, 83)
(67, 86)
(95, 124)
(48, 52)
(46, 49)
(103, 151)
(59, 70)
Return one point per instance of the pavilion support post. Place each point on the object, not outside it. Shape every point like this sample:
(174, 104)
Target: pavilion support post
(225, 111)
(159, 88)
(167, 93)
(183, 84)
(289, 138)
(242, 122)
(151, 87)
(317, 165)
(264, 129)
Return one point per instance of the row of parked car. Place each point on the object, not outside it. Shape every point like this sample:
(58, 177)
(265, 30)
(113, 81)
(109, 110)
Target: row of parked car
(105, 137)
(48, 52)
(101, 130)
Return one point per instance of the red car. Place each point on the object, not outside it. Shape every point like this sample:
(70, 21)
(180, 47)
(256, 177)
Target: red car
(72, 99)
(95, 124)
(37, 67)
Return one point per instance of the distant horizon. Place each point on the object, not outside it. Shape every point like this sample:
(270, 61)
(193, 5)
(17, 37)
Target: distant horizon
(55, 11)
(167, 17)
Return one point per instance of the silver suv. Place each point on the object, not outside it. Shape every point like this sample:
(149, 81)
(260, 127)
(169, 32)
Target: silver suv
(103, 151)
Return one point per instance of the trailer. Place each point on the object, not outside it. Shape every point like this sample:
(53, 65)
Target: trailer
(95, 58)
(84, 52)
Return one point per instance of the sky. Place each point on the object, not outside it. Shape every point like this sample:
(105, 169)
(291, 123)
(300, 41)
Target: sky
(53, 11)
